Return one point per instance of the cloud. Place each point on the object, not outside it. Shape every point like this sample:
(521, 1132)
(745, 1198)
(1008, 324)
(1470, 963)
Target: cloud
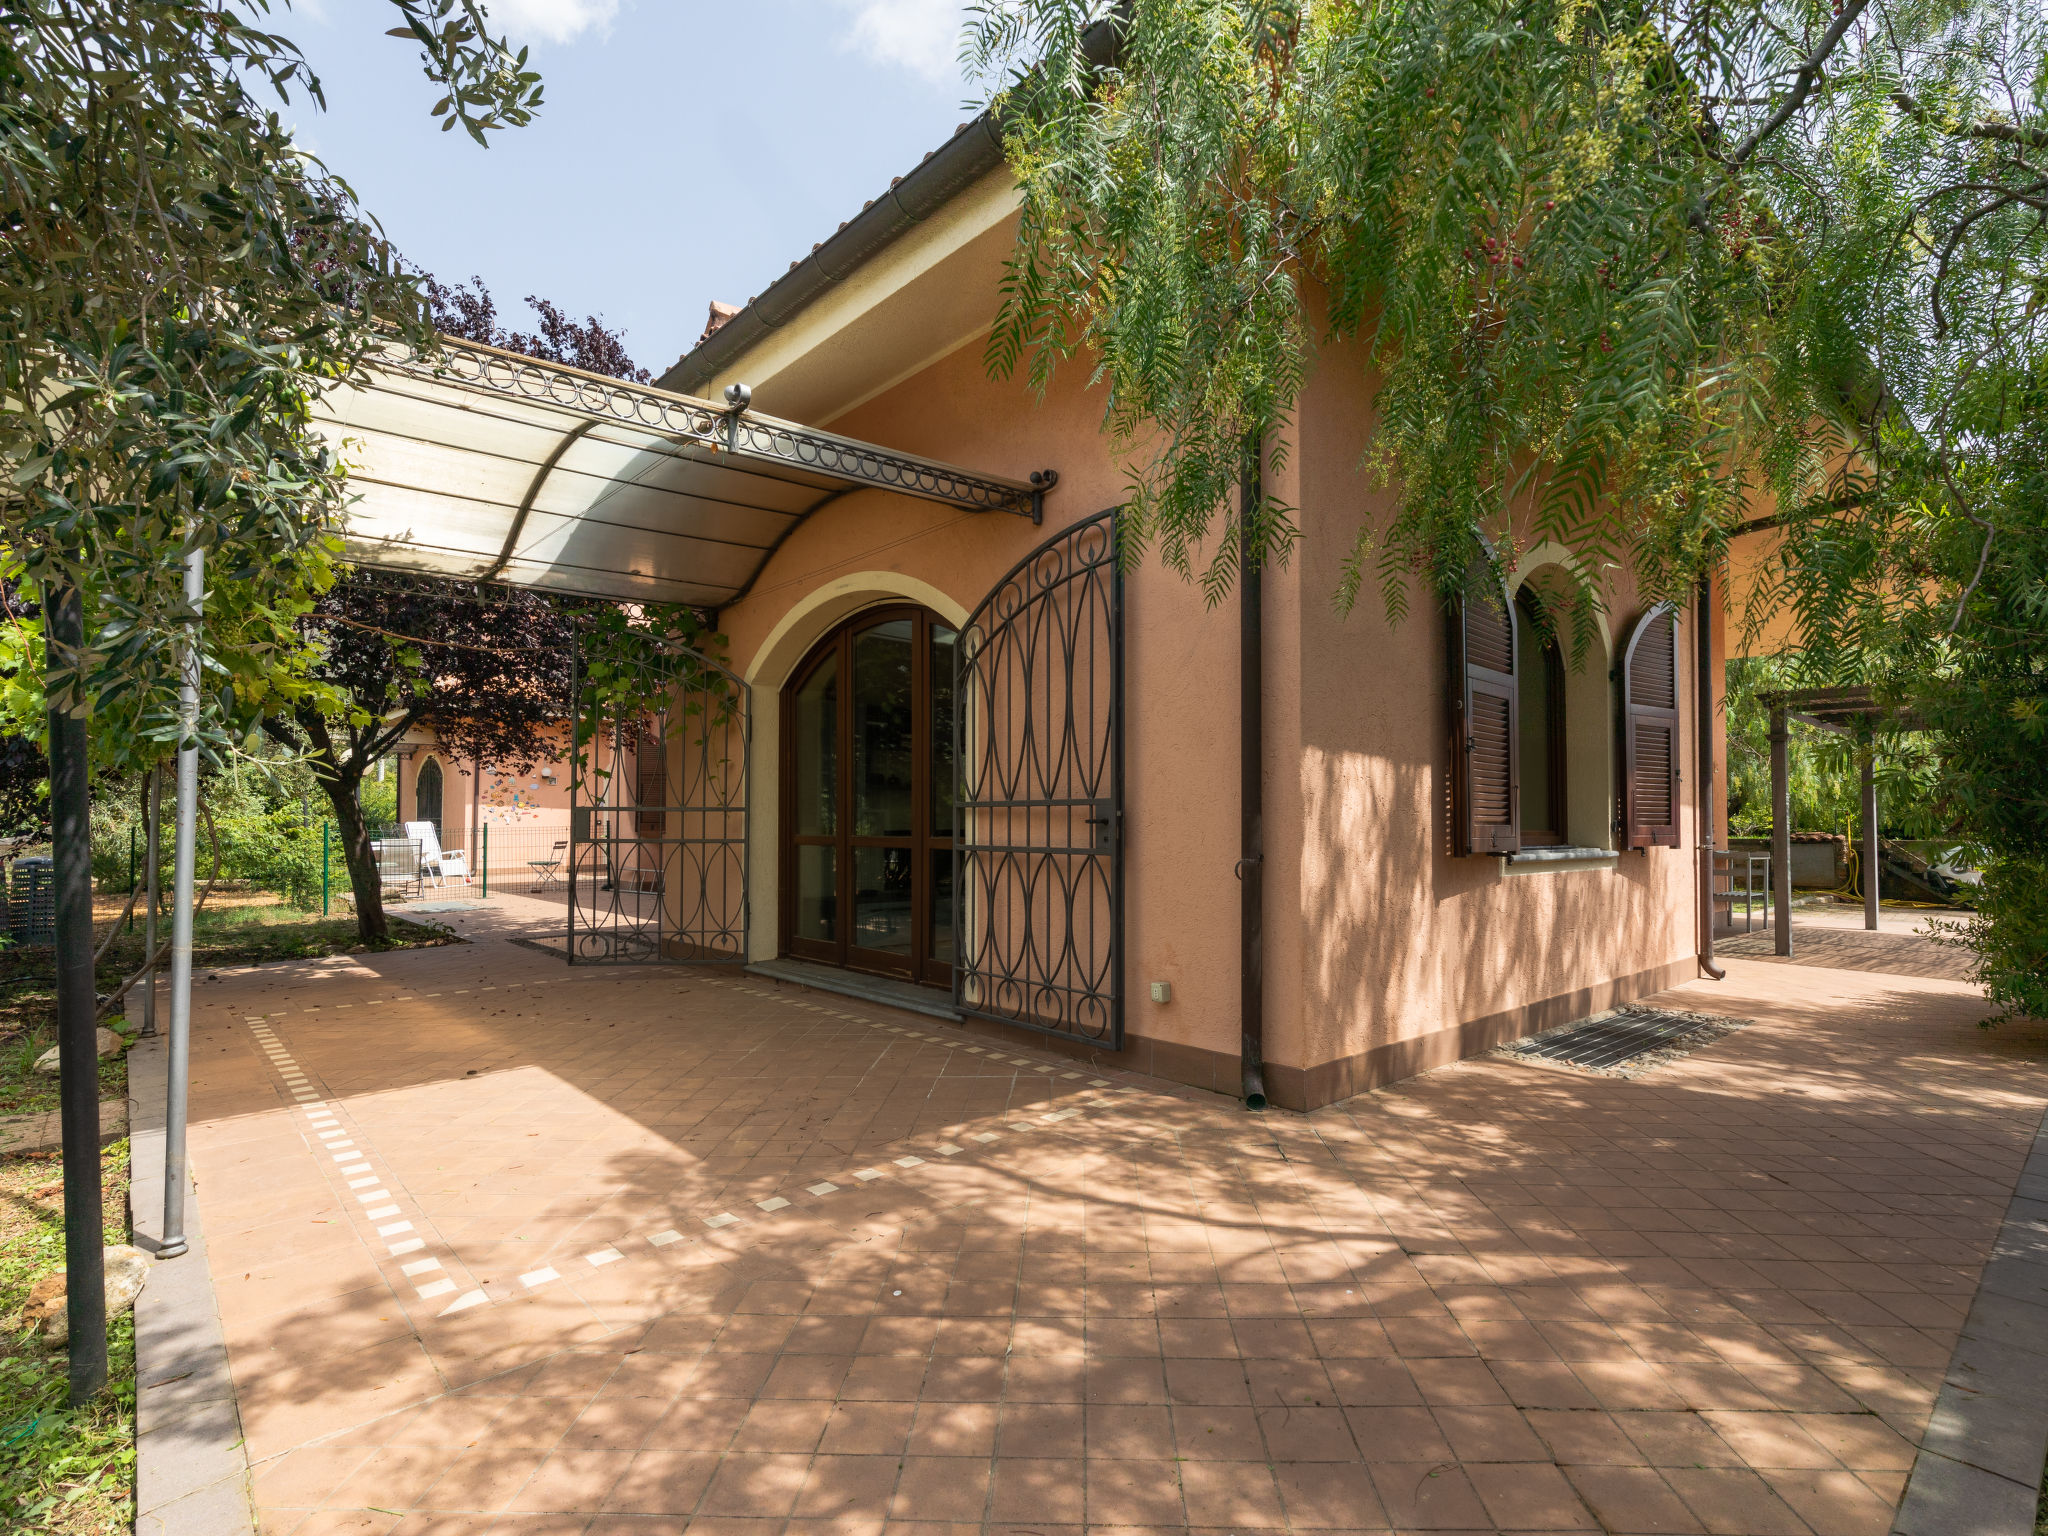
(922, 36)
(551, 21)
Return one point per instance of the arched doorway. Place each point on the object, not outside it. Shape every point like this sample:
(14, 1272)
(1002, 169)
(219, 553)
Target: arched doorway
(427, 795)
(867, 797)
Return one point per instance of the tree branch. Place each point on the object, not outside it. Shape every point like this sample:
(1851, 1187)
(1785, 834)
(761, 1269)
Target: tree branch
(1802, 83)
(2003, 133)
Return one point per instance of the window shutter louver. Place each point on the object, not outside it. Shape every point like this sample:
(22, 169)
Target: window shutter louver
(1649, 731)
(1486, 767)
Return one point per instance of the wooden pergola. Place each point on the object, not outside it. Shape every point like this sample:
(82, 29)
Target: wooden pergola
(1851, 712)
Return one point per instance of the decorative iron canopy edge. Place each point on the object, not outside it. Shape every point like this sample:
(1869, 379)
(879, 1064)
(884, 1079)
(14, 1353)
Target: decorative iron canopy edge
(731, 429)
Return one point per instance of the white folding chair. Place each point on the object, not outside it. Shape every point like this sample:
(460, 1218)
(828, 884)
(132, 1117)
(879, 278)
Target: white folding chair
(435, 860)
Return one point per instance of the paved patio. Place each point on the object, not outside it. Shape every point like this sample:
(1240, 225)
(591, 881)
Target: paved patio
(503, 1246)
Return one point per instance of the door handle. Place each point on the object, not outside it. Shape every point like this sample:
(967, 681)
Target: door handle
(1104, 822)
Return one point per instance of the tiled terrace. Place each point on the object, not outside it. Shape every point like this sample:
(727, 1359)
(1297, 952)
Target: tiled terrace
(502, 1246)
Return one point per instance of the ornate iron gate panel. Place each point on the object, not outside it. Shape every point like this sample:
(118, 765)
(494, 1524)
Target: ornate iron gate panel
(1038, 731)
(658, 826)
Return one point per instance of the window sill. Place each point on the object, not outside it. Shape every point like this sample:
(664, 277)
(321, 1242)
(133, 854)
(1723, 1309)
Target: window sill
(1537, 861)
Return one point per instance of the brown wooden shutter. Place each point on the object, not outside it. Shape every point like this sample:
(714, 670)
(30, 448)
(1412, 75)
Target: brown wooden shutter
(1649, 731)
(1485, 739)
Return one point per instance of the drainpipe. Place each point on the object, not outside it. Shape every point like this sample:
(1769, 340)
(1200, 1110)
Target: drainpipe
(1251, 791)
(1704, 687)
(1873, 854)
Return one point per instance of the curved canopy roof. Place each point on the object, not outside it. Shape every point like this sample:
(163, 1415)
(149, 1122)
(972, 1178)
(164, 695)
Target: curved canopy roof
(484, 465)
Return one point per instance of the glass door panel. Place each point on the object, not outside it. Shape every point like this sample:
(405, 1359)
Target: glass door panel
(884, 730)
(883, 902)
(817, 751)
(817, 893)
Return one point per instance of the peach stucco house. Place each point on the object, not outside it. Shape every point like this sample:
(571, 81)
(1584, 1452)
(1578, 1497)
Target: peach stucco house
(952, 754)
(1386, 947)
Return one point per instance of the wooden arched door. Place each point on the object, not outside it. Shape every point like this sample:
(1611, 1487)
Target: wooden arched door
(427, 794)
(868, 798)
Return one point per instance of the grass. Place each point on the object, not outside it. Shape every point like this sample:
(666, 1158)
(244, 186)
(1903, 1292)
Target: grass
(235, 928)
(63, 1471)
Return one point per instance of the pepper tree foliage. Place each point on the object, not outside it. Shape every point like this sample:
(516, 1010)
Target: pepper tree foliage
(178, 280)
(1638, 271)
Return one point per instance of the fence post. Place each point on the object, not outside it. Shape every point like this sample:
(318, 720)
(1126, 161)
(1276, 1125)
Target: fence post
(131, 877)
(486, 829)
(325, 857)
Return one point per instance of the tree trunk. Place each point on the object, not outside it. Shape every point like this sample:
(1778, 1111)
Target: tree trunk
(345, 793)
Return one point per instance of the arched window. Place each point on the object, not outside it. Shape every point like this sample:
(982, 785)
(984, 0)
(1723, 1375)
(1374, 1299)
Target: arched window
(1540, 679)
(427, 795)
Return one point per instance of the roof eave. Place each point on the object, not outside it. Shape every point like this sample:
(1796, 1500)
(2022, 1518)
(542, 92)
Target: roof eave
(957, 165)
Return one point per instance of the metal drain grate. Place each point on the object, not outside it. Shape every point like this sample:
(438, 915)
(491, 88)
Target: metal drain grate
(1611, 1041)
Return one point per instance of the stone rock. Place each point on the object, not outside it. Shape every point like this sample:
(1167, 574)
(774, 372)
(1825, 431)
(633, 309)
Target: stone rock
(105, 1040)
(46, 1314)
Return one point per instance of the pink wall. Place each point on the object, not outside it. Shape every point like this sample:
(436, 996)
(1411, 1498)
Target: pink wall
(1385, 954)
(509, 798)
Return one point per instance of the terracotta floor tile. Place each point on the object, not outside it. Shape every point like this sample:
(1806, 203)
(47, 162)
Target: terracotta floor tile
(848, 1487)
(1329, 1496)
(755, 1486)
(1397, 1434)
(1634, 1499)
(482, 1480)
(1133, 1492)
(1490, 1298)
(1529, 1496)
(571, 1481)
(1428, 1496)
(1770, 1440)
(301, 1479)
(395, 1477)
(662, 1482)
(1834, 1503)
(1131, 1431)
(1232, 1495)
(1733, 1502)
(1215, 1434)
(1490, 1434)
(1033, 1489)
(1372, 1383)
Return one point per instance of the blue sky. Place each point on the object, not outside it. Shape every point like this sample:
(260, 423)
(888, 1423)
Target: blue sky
(686, 151)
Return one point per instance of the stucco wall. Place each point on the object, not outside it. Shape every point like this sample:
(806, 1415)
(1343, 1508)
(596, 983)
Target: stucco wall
(1384, 953)
(1410, 955)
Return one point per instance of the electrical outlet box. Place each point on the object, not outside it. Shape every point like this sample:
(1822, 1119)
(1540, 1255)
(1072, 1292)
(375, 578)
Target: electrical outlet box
(1162, 991)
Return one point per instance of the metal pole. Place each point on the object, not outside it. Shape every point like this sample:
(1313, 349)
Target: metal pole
(1873, 873)
(153, 878)
(181, 920)
(575, 783)
(486, 861)
(1781, 826)
(325, 858)
(85, 1291)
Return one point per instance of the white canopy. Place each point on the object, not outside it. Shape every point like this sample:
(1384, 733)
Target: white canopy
(479, 464)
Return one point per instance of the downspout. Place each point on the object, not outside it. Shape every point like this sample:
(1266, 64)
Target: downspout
(1704, 687)
(1251, 786)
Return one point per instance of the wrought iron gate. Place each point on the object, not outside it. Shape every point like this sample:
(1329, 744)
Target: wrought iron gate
(1038, 732)
(657, 867)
